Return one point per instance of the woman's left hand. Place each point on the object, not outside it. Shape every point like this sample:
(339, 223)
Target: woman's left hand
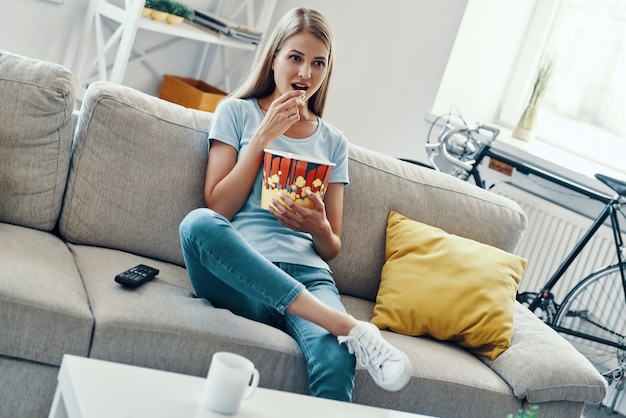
(300, 218)
(324, 226)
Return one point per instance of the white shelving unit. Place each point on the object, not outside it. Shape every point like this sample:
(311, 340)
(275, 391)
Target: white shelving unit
(127, 16)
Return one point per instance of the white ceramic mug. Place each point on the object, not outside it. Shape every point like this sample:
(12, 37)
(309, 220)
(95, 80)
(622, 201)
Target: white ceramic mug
(231, 378)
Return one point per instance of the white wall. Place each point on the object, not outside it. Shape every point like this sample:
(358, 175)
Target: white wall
(39, 29)
(391, 56)
(390, 59)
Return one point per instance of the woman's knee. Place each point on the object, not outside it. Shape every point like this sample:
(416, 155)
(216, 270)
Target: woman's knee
(201, 221)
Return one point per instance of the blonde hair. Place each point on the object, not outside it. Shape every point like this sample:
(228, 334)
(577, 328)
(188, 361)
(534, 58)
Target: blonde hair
(260, 83)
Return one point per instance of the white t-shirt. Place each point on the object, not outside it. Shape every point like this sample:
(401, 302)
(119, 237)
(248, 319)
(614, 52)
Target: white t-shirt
(235, 121)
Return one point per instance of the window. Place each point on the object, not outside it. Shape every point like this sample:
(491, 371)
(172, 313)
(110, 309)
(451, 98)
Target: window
(499, 48)
(585, 103)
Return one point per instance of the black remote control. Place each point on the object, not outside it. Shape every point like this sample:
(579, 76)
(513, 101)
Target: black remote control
(136, 276)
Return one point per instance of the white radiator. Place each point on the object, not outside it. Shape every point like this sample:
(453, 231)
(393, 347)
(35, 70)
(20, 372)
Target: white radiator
(551, 234)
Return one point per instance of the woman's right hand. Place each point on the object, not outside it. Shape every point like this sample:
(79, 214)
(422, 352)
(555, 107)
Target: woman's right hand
(281, 114)
(229, 179)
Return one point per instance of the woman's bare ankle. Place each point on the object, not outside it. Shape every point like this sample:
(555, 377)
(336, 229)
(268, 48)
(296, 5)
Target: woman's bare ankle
(309, 307)
(345, 325)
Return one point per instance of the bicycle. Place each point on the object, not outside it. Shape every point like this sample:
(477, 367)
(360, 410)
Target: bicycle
(592, 315)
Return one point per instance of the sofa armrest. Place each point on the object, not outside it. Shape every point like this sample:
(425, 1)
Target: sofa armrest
(542, 366)
(36, 100)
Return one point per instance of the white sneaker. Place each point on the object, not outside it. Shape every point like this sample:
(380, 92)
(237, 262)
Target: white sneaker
(389, 367)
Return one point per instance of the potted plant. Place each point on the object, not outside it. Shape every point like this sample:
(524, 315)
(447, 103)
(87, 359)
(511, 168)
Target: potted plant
(171, 11)
(157, 9)
(178, 12)
(526, 125)
(146, 10)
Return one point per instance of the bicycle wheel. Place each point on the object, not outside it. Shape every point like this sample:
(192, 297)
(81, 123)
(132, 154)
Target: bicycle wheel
(595, 310)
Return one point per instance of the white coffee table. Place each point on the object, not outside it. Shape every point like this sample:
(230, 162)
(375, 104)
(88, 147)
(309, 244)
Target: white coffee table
(91, 388)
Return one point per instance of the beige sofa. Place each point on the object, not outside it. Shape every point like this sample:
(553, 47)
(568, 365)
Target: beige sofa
(78, 206)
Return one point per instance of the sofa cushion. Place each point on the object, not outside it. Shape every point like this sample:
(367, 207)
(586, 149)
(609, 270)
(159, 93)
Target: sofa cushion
(447, 286)
(535, 348)
(36, 102)
(439, 367)
(138, 168)
(44, 311)
(435, 198)
(163, 325)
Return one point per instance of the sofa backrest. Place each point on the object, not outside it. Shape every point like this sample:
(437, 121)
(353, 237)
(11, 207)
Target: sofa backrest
(380, 184)
(36, 102)
(139, 165)
(137, 169)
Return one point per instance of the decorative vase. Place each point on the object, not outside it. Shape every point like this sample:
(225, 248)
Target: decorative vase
(173, 19)
(525, 129)
(523, 134)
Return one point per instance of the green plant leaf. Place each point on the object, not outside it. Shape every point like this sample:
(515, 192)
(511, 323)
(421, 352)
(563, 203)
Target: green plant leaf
(530, 412)
(527, 120)
(172, 7)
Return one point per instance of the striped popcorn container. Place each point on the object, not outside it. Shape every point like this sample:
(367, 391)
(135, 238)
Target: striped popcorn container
(292, 175)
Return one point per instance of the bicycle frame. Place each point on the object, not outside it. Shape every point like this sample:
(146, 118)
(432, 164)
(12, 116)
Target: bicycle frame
(610, 211)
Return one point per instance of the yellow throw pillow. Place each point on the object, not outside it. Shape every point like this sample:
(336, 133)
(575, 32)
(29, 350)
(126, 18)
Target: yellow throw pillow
(447, 286)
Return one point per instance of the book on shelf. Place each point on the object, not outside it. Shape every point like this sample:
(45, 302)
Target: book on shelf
(224, 26)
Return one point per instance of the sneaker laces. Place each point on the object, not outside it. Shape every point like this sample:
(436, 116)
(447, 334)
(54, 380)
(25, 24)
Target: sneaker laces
(375, 353)
(389, 367)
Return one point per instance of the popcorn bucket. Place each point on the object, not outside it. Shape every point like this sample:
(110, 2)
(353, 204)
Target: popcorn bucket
(292, 175)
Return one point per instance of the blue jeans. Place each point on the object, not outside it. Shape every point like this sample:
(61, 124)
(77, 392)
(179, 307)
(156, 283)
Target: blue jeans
(227, 271)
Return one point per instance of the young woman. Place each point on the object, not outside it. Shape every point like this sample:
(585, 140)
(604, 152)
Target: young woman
(269, 264)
